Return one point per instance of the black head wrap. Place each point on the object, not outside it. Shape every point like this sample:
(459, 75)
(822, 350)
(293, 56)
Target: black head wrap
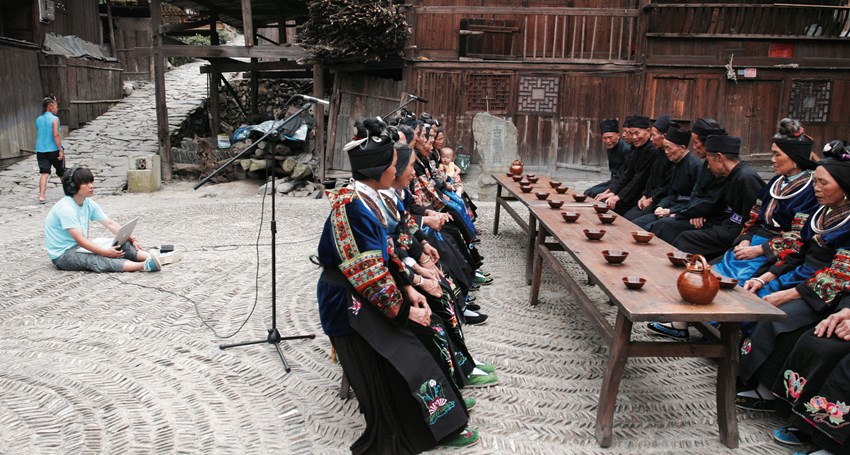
(678, 136)
(721, 143)
(704, 128)
(639, 121)
(372, 153)
(798, 149)
(403, 153)
(837, 163)
(663, 123)
(609, 125)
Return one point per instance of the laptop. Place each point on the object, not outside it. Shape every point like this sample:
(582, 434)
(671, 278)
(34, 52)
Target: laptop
(120, 238)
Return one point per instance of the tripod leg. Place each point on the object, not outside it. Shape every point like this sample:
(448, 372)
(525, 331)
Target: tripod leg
(282, 358)
(246, 343)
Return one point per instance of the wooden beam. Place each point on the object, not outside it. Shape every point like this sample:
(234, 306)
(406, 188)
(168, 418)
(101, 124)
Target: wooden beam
(248, 23)
(319, 116)
(215, 120)
(543, 11)
(163, 134)
(111, 28)
(171, 28)
(288, 52)
(232, 66)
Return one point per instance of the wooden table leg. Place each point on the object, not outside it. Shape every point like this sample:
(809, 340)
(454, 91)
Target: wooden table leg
(537, 267)
(617, 355)
(529, 246)
(727, 419)
(498, 208)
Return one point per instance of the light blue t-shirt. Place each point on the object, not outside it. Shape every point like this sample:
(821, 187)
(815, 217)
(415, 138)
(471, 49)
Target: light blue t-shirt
(64, 215)
(44, 141)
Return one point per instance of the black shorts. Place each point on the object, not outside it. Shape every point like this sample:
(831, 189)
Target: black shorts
(48, 159)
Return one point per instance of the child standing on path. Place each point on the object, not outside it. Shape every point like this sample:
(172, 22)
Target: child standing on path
(48, 145)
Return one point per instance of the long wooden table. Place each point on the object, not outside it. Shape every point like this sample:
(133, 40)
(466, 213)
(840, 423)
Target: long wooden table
(658, 300)
(507, 190)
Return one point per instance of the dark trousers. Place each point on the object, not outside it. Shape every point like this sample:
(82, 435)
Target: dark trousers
(709, 241)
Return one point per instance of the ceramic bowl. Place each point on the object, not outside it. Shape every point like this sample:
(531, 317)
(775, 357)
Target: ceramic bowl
(607, 218)
(526, 189)
(570, 217)
(727, 283)
(579, 197)
(533, 179)
(634, 282)
(555, 204)
(601, 208)
(516, 178)
(615, 256)
(562, 189)
(642, 236)
(530, 175)
(554, 184)
(524, 183)
(509, 174)
(542, 195)
(594, 234)
(678, 258)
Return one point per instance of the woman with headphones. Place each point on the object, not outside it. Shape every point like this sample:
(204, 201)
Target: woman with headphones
(66, 233)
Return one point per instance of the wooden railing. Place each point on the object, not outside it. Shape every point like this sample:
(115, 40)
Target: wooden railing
(580, 35)
(776, 21)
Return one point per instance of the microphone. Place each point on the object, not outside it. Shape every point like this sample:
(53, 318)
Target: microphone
(418, 98)
(315, 100)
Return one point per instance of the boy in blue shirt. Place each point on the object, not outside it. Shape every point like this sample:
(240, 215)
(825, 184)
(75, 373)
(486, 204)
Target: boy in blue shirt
(66, 230)
(48, 145)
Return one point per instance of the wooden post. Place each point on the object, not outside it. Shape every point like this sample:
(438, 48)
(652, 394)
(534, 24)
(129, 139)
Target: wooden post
(214, 76)
(163, 134)
(255, 87)
(111, 29)
(248, 23)
(319, 110)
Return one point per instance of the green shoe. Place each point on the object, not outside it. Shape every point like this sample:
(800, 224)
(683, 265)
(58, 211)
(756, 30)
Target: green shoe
(485, 367)
(477, 380)
(469, 402)
(466, 438)
(481, 279)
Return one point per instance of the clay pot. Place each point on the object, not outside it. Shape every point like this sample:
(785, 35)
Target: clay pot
(570, 217)
(542, 195)
(607, 218)
(555, 204)
(697, 284)
(532, 178)
(634, 282)
(601, 208)
(594, 234)
(554, 183)
(526, 189)
(561, 189)
(517, 178)
(614, 256)
(678, 258)
(517, 167)
(579, 197)
(642, 236)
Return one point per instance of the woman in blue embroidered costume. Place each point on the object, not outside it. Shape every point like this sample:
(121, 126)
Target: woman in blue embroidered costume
(770, 229)
(376, 320)
(823, 262)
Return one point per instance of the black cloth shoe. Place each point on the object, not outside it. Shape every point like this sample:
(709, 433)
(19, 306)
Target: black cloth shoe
(476, 320)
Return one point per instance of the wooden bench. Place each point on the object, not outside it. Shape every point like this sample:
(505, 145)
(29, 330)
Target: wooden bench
(658, 300)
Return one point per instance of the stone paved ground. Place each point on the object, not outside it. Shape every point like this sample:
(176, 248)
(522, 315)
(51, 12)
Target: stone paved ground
(103, 145)
(121, 363)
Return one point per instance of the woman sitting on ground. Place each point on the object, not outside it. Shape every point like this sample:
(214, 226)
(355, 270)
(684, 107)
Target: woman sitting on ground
(375, 320)
(825, 258)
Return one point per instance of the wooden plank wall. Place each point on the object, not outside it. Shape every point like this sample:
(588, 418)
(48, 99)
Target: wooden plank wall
(20, 98)
(131, 35)
(356, 96)
(85, 88)
(80, 18)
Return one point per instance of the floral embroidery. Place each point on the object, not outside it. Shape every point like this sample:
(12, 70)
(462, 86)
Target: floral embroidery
(355, 306)
(753, 218)
(746, 347)
(789, 242)
(370, 277)
(831, 282)
(794, 384)
(432, 395)
(830, 414)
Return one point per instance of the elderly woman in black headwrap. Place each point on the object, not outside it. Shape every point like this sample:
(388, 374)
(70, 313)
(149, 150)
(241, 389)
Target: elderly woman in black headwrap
(375, 319)
(825, 258)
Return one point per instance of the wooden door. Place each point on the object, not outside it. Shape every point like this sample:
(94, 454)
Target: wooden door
(751, 113)
(538, 97)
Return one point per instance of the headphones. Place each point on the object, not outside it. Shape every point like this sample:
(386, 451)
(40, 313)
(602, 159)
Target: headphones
(71, 187)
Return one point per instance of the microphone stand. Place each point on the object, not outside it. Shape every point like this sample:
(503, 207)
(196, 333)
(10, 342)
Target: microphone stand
(274, 336)
(399, 108)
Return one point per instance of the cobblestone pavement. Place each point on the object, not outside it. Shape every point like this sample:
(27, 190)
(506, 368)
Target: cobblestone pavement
(121, 363)
(104, 144)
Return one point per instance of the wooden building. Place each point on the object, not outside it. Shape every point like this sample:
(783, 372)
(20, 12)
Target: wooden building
(85, 87)
(555, 68)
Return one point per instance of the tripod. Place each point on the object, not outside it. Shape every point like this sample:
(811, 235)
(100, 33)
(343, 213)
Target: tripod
(274, 336)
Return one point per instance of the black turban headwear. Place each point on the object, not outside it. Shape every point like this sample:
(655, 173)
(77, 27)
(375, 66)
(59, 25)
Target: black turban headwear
(370, 157)
(609, 125)
(721, 143)
(703, 129)
(663, 123)
(638, 121)
(403, 153)
(798, 150)
(837, 163)
(678, 136)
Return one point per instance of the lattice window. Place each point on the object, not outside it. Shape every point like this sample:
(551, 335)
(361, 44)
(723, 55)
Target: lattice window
(488, 92)
(810, 101)
(538, 94)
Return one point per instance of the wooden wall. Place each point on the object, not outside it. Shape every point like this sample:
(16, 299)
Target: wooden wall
(80, 18)
(131, 35)
(20, 98)
(85, 88)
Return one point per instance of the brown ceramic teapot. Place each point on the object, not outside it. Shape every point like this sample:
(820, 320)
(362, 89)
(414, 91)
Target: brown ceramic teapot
(697, 284)
(517, 167)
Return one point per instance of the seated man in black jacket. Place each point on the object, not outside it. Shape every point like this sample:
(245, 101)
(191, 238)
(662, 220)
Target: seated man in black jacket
(617, 150)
